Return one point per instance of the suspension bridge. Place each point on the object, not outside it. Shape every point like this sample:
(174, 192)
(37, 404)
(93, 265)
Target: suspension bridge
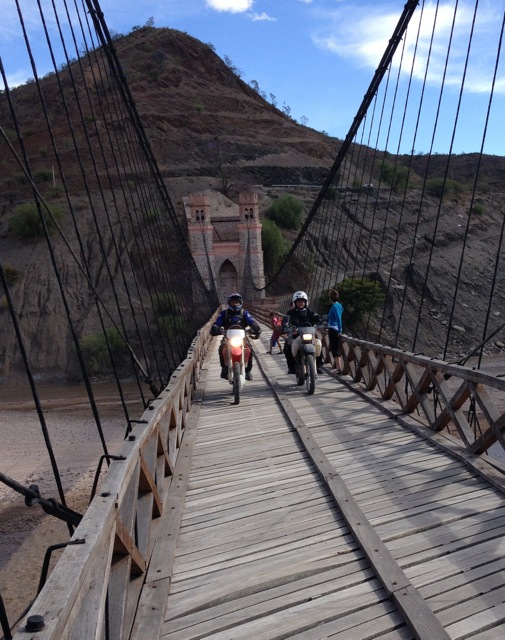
(372, 509)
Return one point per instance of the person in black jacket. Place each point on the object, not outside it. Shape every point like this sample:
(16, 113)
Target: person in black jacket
(234, 314)
(299, 314)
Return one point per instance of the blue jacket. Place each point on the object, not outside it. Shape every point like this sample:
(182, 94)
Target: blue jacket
(226, 318)
(335, 317)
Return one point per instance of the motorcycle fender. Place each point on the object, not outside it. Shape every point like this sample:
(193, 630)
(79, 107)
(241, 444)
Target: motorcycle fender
(309, 348)
(236, 352)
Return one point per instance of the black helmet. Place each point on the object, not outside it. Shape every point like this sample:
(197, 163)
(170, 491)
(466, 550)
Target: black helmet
(238, 298)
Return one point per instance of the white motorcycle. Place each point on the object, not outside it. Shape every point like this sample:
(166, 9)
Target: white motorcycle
(304, 349)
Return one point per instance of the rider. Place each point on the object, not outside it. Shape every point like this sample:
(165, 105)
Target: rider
(295, 317)
(234, 314)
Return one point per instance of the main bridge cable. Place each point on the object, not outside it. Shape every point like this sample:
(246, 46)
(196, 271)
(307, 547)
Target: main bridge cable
(393, 43)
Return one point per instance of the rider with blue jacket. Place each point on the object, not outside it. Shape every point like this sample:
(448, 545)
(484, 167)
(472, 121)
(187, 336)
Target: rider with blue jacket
(234, 314)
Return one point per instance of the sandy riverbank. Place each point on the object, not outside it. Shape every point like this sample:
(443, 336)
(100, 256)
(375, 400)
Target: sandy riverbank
(26, 532)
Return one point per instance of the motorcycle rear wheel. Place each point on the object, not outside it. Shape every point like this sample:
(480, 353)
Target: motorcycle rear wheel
(236, 382)
(310, 376)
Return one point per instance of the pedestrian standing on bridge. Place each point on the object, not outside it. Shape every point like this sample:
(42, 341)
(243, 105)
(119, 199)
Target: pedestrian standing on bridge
(293, 320)
(335, 328)
(234, 314)
(276, 323)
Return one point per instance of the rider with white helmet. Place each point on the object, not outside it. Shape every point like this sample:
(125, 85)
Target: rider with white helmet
(299, 314)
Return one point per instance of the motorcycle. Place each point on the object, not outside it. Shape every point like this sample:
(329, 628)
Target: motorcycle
(305, 357)
(236, 353)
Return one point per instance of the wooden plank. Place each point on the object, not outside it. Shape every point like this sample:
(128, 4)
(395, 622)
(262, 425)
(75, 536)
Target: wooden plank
(153, 598)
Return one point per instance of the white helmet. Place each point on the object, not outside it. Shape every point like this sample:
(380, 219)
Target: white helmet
(300, 295)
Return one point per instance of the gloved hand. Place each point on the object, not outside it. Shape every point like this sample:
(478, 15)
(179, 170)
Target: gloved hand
(255, 331)
(216, 330)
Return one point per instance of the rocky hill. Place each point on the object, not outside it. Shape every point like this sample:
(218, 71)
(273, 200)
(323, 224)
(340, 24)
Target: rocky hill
(207, 129)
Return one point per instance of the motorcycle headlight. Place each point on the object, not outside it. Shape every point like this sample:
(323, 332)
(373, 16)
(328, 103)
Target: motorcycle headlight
(307, 337)
(236, 342)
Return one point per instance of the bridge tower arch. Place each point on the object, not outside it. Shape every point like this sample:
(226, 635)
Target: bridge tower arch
(225, 240)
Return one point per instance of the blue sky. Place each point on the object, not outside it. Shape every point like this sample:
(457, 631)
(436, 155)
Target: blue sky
(318, 57)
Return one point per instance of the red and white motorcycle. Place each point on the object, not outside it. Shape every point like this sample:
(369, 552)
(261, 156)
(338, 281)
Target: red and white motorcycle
(236, 353)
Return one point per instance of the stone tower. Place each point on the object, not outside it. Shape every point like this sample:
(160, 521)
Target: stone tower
(251, 252)
(225, 241)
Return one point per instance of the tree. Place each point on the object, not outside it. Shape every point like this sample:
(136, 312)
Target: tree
(286, 212)
(286, 110)
(274, 246)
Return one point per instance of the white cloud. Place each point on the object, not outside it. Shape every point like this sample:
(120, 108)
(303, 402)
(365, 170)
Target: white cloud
(261, 16)
(362, 34)
(233, 6)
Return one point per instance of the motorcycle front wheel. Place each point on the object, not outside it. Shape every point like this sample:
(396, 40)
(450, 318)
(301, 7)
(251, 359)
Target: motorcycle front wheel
(310, 376)
(236, 382)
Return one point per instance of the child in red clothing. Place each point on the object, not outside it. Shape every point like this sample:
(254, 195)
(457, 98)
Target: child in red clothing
(276, 324)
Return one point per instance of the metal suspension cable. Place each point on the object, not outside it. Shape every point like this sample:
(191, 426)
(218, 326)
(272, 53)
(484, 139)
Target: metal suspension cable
(106, 40)
(393, 43)
(35, 395)
(423, 294)
(101, 236)
(42, 201)
(418, 219)
(26, 169)
(460, 267)
(83, 173)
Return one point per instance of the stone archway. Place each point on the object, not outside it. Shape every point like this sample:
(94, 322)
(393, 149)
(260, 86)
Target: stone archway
(227, 281)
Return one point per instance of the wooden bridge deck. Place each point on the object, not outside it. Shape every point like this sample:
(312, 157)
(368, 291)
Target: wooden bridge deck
(414, 548)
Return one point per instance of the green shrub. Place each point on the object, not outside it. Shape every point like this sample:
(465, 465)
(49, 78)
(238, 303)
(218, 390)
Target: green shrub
(274, 246)
(53, 191)
(171, 325)
(440, 188)
(26, 223)
(478, 209)
(43, 175)
(12, 275)
(359, 296)
(286, 212)
(395, 175)
(165, 303)
(152, 215)
(96, 352)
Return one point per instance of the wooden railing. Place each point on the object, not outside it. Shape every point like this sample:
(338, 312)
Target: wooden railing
(94, 590)
(467, 404)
